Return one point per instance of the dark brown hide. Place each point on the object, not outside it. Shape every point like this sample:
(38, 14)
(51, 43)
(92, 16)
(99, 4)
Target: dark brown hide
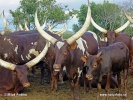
(15, 48)
(110, 60)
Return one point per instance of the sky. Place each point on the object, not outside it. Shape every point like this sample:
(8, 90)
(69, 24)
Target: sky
(7, 5)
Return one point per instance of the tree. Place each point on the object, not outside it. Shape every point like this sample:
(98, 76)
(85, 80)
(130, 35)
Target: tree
(47, 10)
(108, 15)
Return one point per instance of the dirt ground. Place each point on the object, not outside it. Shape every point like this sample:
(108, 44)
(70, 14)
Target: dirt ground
(42, 92)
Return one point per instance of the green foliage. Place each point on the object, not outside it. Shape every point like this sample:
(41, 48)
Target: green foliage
(66, 35)
(48, 10)
(107, 15)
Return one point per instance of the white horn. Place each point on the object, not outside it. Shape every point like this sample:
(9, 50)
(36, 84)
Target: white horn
(122, 27)
(77, 35)
(50, 28)
(98, 27)
(129, 18)
(26, 27)
(39, 57)
(20, 26)
(7, 65)
(62, 30)
(5, 22)
(42, 32)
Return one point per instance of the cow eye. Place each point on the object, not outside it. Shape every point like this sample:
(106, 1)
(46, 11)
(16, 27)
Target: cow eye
(65, 52)
(95, 66)
(19, 76)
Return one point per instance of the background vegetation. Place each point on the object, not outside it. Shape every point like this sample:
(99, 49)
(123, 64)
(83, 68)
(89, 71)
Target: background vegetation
(108, 15)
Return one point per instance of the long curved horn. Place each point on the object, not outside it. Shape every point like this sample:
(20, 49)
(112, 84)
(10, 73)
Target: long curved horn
(5, 26)
(98, 27)
(77, 35)
(5, 22)
(26, 27)
(129, 18)
(39, 57)
(7, 65)
(62, 30)
(20, 26)
(42, 32)
(122, 27)
(50, 28)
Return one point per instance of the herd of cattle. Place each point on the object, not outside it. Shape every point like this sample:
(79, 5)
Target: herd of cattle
(87, 60)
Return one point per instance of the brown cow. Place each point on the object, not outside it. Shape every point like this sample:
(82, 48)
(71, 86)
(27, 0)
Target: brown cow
(68, 52)
(115, 36)
(19, 53)
(13, 78)
(110, 60)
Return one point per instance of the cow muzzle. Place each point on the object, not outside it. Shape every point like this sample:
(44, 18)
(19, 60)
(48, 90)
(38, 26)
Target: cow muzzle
(57, 67)
(26, 84)
(89, 76)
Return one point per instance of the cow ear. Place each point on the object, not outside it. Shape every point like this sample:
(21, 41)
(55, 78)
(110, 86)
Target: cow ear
(84, 59)
(100, 60)
(14, 72)
(116, 34)
(73, 46)
(104, 34)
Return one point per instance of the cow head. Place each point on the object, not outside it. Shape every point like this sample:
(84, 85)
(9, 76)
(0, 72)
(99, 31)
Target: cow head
(111, 35)
(92, 64)
(21, 70)
(62, 54)
(62, 48)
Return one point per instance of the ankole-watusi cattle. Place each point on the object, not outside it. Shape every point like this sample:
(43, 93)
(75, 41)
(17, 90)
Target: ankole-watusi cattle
(22, 46)
(13, 78)
(116, 36)
(69, 52)
(110, 60)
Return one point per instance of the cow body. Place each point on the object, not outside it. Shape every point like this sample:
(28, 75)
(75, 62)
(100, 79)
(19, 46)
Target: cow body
(10, 82)
(19, 49)
(70, 56)
(109, 60)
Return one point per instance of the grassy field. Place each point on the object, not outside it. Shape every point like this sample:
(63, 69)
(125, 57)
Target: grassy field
(42, 92)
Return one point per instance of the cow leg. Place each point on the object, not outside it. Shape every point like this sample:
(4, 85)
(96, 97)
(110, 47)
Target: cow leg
(48, 75)
(125, 82)
(131, 57)
(56, 82)
(18, 88)
(99, 87)
(107, 88)
(72, 88)
(42, 75)
(85, 83)
(119, 82)
(77, 89)
(52, 82)
(114, 80)
(61, 77)
(90, 87)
